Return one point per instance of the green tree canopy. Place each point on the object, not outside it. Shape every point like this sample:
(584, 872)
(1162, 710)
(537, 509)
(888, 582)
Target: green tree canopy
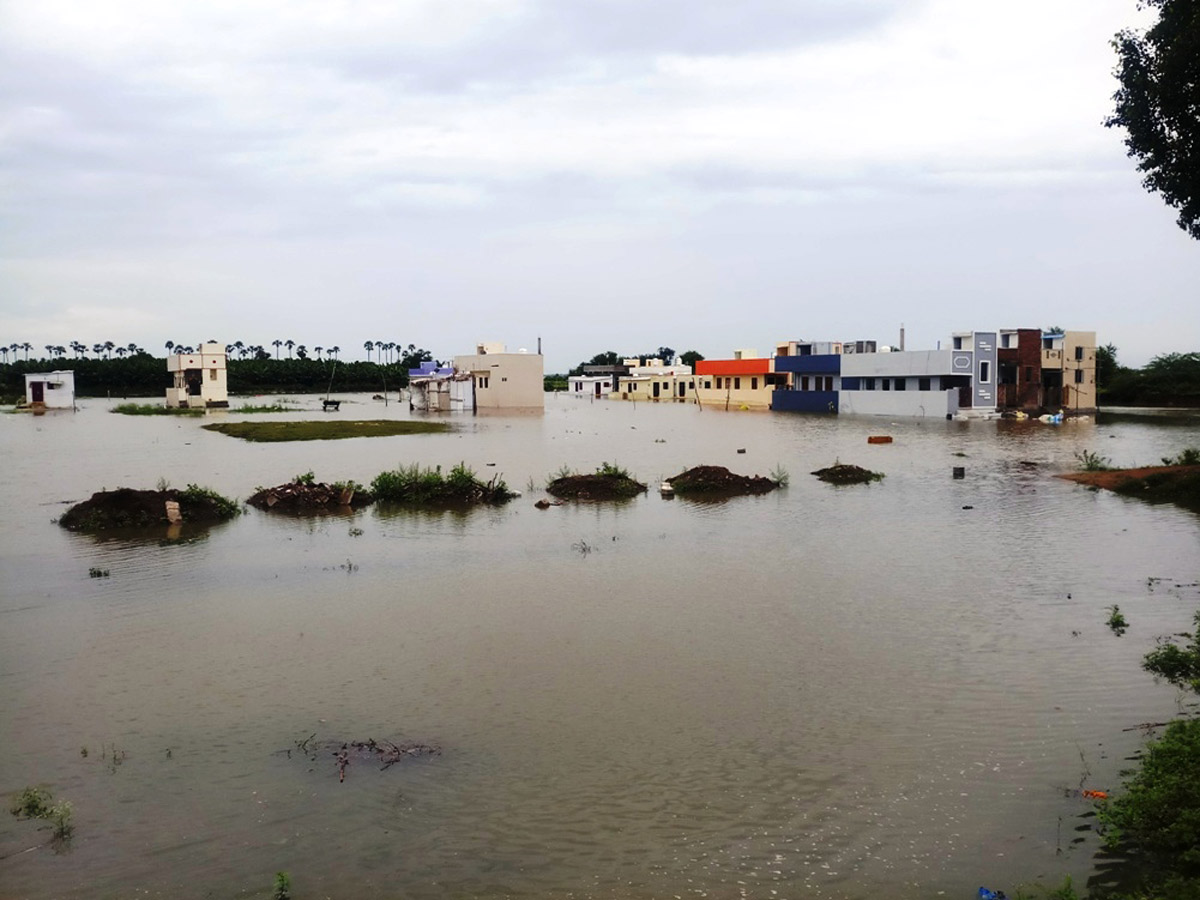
(1158, 105)
(690, 358)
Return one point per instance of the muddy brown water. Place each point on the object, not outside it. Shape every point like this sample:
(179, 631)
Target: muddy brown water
(828, 692)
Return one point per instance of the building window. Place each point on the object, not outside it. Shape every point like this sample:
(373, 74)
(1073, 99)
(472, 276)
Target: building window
(754, 384)
(708, 385)
(901, 384)
(1079, 376)
(1028, 374)
(868, 384)
(958, 343)
(1079, 353)
(737, 384)
(887, 384)
(829, 382)
(212, 374)
(985, 372)
(922, 384)
(804, 382)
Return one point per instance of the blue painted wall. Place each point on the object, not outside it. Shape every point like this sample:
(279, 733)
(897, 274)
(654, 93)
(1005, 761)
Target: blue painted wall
(826, 364)
(804, 401)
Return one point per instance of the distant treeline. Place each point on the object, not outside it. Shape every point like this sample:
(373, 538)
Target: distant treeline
(1172, 379)
(143, 375)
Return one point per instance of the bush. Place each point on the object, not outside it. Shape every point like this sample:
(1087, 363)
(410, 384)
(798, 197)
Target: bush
(429, 487)
(1178, 665)
(1093, 462)
(1189, 456)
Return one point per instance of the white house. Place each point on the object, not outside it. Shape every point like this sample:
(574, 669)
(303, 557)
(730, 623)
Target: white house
(50, 390)
(199, 378)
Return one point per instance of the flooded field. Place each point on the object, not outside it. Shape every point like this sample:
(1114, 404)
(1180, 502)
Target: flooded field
(893, 689)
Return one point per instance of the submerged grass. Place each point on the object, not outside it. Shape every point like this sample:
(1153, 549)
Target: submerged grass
(154, 409)
(281, 407)
(324, 430)
(415, 486)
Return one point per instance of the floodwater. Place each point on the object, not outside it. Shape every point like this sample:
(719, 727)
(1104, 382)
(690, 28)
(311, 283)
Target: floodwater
(885, 690)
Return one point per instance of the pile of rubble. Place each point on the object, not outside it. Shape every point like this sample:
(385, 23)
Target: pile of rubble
(311, 496)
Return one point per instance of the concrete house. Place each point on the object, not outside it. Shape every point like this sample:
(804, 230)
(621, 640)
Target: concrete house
(502, 380)
(652, 379)
(1069, 372)
(200, 380)
(744, 382)
(814, 376)
(50, 390)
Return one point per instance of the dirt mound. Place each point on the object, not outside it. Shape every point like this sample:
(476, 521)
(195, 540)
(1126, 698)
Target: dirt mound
(595, 487)
(130, 508)
(311, 497)
(718, 480)
(1158, 484)
(843, 473)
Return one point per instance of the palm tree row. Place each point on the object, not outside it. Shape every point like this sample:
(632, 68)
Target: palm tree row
(386, 352)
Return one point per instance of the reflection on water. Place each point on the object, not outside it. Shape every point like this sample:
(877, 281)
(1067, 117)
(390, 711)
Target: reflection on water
(893, 689)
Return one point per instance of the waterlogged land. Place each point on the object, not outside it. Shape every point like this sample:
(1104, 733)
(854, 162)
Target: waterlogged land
(888, 691)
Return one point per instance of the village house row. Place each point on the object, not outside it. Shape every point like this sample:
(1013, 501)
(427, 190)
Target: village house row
(1022, 371)
(1015, 371)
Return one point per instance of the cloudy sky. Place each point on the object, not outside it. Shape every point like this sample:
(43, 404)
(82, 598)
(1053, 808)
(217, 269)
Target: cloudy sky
(605, 175)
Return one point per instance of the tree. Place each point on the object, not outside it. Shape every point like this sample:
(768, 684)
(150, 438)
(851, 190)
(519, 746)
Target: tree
(690, 358)
(368, 346)
(1157, 105)
(608, 358)
(289, 343)
(276, 344)
(1106, 365)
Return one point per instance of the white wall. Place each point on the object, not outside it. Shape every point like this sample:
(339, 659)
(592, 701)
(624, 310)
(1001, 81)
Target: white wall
(936, 404)
(910, 362)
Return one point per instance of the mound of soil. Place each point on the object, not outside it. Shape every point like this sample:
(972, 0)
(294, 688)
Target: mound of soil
(303, 497)
(595, 487)
(843, 473)
(1157, 484)
(129, 508)
(719, 481)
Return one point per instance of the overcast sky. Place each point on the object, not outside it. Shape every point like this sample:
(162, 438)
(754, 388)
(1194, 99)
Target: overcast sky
(611, 175)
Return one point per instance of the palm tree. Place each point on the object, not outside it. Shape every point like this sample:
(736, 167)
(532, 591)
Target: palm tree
(276, 344)
(240, 348)
(170, 345)
(121, 351)
(334, 351)
(4, 350)
(289, 343)
(368, 346)
(132, 348)
(318, 350)
(108, 348)
(27, 347)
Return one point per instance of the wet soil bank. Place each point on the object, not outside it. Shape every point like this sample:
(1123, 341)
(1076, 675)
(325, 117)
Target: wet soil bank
(714, 481)
(130, 508)
(1158, 484)
(595, 487)
(844, 473)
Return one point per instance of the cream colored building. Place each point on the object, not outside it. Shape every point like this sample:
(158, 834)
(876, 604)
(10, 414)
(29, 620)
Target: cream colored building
(744, 382)
(504, 380)
(657, 382)
(1069, 371)
(200, 379)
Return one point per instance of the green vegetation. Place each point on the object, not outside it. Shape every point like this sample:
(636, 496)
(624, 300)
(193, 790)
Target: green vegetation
(1189, 456)
(250, 370)
(96, 572)
(1116, 620)
(283, 887)
(324, 430)
(155, 409)
(204, 498)
(1155, 822)
(555, 382)
(1093, 462)
(308, 478)
(1178, 665)
(780, 475)
(1156, 105)
(36, 803)
(415, 486)
(1172, 379)
(279, 407)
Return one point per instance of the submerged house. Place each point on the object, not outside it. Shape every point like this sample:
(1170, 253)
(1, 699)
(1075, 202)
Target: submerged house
(981, 373)
(50, 390)
(747, 381)
(199, 378)
(503, 380)
(652, 379)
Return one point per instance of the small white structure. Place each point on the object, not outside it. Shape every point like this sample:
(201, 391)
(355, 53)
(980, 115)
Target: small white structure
(199, 378)
(434, 388)
(50, 390)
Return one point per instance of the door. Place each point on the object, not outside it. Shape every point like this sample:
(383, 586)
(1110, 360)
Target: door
(38, 390)
(656, 390)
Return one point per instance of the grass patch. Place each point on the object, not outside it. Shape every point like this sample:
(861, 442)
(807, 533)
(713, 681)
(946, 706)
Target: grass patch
(1093, 462)
(1116, 620)
(415, 486)
(1178, 486)
(154, 409)
(281, 407)
(37, 803)
(323, 430)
